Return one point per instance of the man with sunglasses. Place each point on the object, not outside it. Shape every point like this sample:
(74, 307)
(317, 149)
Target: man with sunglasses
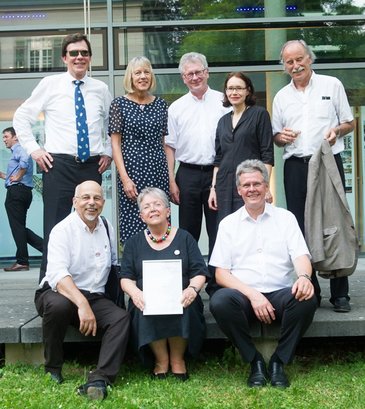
(58, 158)
(192, 124)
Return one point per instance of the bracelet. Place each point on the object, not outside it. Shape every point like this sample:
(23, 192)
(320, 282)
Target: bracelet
(306, 276)
(338, 135)
(212, 186)
(194, 288)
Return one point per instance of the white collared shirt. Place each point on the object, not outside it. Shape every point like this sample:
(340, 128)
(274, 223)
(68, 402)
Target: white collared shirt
(192, 124)
(260, 252)
(54, 97)
(73, 250)
(322, 105)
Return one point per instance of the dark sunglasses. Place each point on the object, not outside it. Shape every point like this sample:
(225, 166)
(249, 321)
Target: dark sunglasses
(75, 53)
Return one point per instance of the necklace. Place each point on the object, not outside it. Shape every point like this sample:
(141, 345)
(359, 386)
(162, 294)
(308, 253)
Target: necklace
(163, 238)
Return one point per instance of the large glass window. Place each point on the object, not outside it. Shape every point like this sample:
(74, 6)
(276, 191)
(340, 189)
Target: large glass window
(160, 10)
(237, 45)
(41, 51)
(51, 13)
(234, 35)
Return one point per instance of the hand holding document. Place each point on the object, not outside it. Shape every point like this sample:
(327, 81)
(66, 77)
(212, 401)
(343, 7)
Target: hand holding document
(162, 287)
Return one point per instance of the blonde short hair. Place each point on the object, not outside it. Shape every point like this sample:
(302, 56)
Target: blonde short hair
(132, 65)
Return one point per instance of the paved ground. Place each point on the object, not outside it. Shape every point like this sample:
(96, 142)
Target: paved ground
(17, 307)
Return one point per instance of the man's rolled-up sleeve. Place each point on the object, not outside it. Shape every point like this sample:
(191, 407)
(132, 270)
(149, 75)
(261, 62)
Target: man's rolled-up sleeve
(59, 258)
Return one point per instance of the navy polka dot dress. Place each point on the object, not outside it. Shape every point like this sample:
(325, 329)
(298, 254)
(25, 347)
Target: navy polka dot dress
(142, 128)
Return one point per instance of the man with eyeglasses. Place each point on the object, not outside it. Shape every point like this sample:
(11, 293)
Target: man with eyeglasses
(192, 124)
(263, 268)
(73, 292)
(58, 98)
(310, 109)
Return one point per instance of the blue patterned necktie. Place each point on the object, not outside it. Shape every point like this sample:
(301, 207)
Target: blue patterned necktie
(83, 149)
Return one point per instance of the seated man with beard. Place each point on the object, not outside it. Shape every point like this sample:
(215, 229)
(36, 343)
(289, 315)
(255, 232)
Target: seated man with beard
(80, 254)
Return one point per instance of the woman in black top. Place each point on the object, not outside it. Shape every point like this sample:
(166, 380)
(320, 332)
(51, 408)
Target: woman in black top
(244, 133)
(162, 340)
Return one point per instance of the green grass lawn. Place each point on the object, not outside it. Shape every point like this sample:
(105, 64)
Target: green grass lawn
(319, 379)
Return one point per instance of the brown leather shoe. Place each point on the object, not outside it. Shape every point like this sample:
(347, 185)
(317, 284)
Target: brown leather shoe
(17, 267)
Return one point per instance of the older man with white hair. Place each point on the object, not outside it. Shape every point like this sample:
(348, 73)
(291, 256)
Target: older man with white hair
(80, 253)
(310, 108)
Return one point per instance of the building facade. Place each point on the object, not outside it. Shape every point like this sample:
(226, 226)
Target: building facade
(234, 35)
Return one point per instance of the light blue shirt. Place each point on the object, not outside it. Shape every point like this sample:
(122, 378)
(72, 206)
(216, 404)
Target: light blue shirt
(19, 160)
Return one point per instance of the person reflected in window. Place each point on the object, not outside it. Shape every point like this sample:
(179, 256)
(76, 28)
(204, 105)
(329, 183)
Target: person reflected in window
(138, 126)
(162, 341)
(19, 185)
(244, 133)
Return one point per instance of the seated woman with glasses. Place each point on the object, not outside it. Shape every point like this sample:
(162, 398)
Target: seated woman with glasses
(244, 133)
(162, 340)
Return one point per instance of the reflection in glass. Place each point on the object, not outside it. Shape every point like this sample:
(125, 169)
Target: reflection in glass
(34, 52)
(235, 44)
(155, 10)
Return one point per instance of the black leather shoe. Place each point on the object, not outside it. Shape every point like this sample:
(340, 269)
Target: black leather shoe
(278, 376)
(341, 304)
(56, 376)
(181, 376)
(160, 375)
(94, 390)
(258, 376)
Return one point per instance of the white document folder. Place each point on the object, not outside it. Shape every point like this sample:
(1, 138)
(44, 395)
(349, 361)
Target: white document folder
(162, 287)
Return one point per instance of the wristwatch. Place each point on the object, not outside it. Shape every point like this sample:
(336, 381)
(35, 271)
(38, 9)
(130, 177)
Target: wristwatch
(194, 288)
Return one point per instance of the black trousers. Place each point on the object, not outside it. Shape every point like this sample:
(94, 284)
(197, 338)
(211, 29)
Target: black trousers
(59, 185)
(59, 312)
(295, 183)
(194, 185)
(17, 202)
(234, 314)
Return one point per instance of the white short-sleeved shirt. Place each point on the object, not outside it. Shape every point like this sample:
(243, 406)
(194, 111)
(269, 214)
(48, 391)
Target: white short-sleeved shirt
(260, 252)
(192, 125)
(322, 105)
(73, 250)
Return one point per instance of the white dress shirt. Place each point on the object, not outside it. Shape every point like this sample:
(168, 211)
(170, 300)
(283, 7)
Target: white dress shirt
(192, 124)
(260, 252)
(321, 106)
(54, 96)
(73, 250)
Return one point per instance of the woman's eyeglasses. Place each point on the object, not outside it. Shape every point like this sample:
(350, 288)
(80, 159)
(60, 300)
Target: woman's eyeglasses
(230, 90)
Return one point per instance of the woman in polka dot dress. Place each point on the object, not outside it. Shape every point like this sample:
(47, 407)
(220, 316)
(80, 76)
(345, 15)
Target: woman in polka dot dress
(138, 125)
